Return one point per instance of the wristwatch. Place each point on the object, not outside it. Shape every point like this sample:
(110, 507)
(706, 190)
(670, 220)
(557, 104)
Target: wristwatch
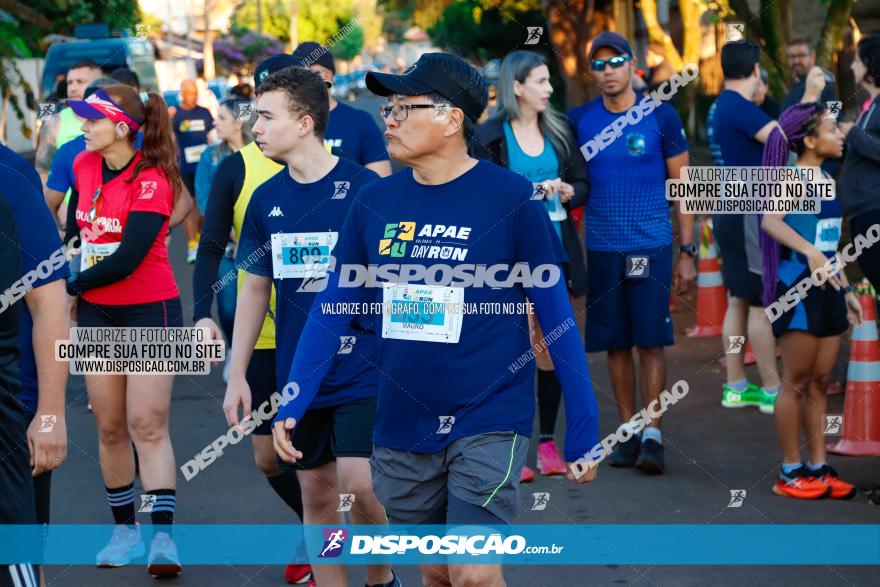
(690, 249)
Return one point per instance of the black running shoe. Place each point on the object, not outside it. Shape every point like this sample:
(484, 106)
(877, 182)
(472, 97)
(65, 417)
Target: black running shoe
(651, 458)
(625, 454)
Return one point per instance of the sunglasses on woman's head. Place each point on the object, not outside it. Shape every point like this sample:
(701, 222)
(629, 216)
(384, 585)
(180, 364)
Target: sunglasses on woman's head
(93, 213)
(615, 62)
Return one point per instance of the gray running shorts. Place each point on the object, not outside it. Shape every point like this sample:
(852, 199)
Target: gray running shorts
(481, 470)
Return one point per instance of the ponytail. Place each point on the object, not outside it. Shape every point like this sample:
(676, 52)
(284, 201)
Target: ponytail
(159, 149)
(796, 122)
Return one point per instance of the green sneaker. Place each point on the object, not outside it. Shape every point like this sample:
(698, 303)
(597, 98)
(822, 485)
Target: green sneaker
(731, 398)
(768, 402)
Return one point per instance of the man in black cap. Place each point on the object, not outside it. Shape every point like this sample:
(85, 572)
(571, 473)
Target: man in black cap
(629, 238)
(352, 131)
(454, 412)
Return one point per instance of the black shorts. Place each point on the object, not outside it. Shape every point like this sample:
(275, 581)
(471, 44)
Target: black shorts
(822, 312)
(166, 313)
(338, 431)
(16, 484)
(260, 377)
(729, 233)
(189, 180)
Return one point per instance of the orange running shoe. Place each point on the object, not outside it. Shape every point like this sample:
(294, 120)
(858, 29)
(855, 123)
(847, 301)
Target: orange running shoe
(840, 489)
(527, 475)
(801, 484)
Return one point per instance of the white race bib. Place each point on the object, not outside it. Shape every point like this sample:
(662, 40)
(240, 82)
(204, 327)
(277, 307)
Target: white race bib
(93, 253)
(301, 254)
(194, 153)
(420, 312)
(828, 234)
(554, 207)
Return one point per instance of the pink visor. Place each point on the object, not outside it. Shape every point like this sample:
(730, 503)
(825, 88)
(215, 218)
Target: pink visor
(100, 105)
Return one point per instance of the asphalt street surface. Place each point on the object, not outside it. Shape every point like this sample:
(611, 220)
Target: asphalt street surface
(709, 451)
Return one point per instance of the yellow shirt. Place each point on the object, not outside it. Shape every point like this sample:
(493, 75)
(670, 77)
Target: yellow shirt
(69, 127)
(257, 169)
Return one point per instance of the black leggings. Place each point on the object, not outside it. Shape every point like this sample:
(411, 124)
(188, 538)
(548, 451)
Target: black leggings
(869, 260)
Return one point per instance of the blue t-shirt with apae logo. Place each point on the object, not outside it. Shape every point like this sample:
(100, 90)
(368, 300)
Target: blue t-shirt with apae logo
(448, 375)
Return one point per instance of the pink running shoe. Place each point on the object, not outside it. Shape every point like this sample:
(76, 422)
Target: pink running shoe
(549, 461)
(527, 475)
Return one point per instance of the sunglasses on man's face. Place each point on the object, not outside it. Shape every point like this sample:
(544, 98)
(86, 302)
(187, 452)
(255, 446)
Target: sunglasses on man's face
(615, 62)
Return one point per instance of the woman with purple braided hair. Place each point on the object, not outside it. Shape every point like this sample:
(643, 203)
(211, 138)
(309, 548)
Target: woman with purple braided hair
(794, 248)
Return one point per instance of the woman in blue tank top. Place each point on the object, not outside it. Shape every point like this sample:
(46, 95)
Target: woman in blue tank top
(528, 136)
(808, 301)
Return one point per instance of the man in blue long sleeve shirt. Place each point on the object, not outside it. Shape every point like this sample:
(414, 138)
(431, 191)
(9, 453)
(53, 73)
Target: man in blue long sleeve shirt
(455, 403)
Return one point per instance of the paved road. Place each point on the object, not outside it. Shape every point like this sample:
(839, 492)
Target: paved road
(709, 452)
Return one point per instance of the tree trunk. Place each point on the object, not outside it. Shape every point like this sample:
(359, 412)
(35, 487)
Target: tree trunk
(692, 12)
(6, 96)
(832, 32)
(294, 10)
(208, 44)
(659, 36)
(571, 29)
(774, 16)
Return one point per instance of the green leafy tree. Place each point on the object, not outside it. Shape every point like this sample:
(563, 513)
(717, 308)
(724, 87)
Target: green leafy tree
(26, 24)
(325, 22)
(472, 30)
(772, 26)
(276, 18)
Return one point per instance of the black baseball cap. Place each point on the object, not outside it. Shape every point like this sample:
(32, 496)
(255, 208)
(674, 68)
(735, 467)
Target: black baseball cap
(275, 63)
(450, 76)
(312, 52)
(613, 40)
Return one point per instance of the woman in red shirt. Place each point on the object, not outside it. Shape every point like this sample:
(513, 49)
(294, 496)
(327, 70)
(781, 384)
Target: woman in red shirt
(120, 209)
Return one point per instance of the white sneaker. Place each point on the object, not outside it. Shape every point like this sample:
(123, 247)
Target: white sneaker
(163, 560)
(124, 545)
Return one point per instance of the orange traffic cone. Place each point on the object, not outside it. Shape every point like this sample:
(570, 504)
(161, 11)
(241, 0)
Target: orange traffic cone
(749, 357)
(861, 409)
(711, 295)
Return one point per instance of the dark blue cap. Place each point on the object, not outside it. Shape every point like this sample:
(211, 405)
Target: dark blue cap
(275, 63)
(612, 40)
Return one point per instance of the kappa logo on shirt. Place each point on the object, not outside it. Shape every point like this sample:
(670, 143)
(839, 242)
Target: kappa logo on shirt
(148, 188)
(276, 212)
(341, 189)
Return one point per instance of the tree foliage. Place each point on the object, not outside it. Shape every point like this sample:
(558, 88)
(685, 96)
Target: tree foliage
(24, 25)
(485, 29)
(242, 50)
(276, 18)
(324, 22)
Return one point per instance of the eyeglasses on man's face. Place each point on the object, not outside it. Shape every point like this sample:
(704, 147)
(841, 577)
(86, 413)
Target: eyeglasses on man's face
(401, 111)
